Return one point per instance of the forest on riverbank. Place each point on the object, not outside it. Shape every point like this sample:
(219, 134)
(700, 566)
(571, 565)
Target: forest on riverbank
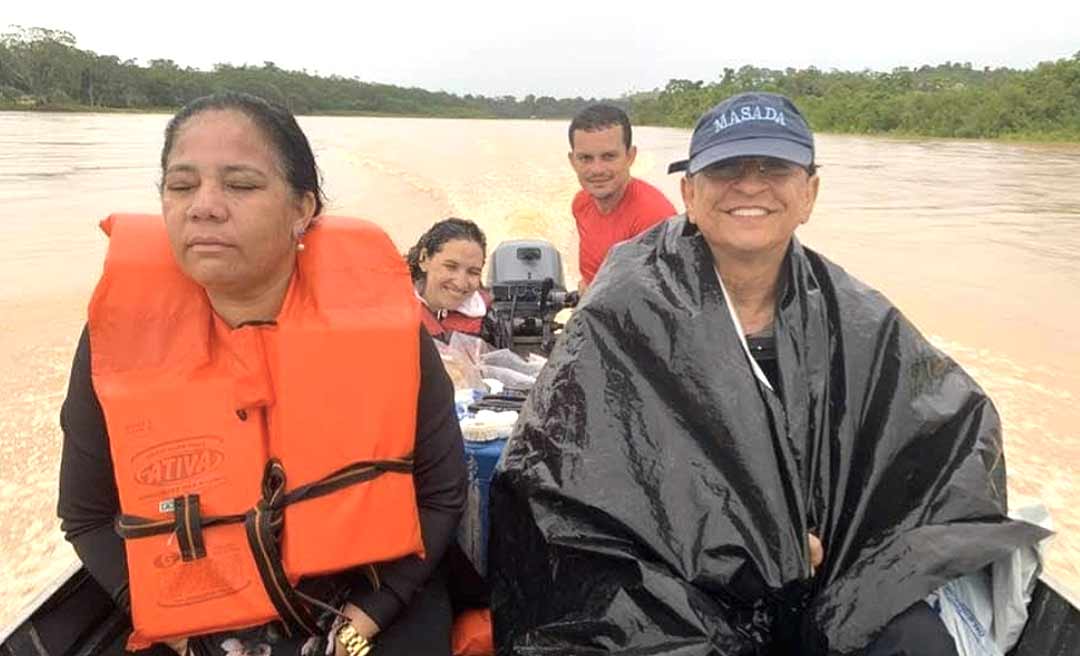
(44, 69)
(948, 100)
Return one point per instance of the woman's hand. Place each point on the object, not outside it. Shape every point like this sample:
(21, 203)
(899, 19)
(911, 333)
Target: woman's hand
(179, 645)
(363, 624)
(817, 552)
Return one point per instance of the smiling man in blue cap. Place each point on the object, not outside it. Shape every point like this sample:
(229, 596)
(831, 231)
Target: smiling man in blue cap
(737, 448)
(750, 181)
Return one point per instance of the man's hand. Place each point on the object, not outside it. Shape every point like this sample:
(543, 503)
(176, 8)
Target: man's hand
(363, 623)
(179, 645)
(817, 552)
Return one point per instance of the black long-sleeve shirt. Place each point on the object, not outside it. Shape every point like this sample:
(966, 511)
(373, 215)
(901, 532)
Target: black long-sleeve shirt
(89, 499)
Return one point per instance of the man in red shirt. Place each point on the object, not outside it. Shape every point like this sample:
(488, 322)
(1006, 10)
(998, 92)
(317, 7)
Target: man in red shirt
(611, 206)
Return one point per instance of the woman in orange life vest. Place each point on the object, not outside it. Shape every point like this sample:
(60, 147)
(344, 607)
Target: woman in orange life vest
(445, 265)
(244, 320)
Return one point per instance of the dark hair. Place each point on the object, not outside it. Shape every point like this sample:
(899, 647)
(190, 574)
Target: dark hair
(598, 117)
(432, 241)
(278, 126)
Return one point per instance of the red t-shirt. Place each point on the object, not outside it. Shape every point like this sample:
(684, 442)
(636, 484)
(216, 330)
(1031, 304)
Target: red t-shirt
(640, 208)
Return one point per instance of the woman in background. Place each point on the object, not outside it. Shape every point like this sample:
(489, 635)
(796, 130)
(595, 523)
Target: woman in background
(445, 265)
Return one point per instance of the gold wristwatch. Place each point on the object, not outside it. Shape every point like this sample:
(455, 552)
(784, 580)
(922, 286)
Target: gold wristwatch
(354, 643)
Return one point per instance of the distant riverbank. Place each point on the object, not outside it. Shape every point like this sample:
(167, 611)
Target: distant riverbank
(43, 70)
(97, 109)
(1060, 137)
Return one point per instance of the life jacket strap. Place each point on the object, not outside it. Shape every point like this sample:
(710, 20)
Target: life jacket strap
(132, 526)
(264, 525)
(189, 527)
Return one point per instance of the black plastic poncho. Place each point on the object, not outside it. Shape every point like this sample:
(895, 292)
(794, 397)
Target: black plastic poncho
(655, 498)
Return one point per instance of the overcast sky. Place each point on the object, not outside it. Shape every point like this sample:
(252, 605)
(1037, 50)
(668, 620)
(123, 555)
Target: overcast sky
(559, 47)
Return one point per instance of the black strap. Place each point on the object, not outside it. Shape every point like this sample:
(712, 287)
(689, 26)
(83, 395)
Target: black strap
(133, 526)
(264, 523)
(189, 527)
(358, 472)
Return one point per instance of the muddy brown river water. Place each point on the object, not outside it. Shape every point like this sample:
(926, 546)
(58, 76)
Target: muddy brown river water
(977, 242)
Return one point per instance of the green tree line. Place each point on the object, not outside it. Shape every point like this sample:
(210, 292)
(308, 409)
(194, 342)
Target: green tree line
(45, 69)
(949, 100)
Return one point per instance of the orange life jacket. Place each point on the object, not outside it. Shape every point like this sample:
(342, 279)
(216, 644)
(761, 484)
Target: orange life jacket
(215, 432)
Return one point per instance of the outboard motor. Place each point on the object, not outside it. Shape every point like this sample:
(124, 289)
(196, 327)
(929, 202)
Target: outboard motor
(525, 277)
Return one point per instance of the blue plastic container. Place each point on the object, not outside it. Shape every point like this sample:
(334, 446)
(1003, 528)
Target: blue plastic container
(480, 458)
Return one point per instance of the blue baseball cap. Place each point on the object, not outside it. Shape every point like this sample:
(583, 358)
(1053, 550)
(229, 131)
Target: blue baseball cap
(753, 124)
